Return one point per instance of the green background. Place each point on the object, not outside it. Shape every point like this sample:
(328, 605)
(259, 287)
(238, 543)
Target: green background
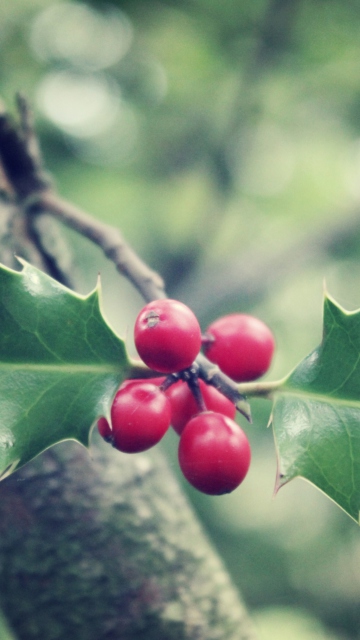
(223, 139)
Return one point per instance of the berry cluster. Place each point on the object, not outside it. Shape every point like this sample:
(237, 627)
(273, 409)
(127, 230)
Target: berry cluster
(214, 452)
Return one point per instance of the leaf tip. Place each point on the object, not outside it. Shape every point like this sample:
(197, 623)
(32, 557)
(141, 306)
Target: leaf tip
(96, 293)
(21, 260)
(27, 266)
(98, 287)
(280, 481)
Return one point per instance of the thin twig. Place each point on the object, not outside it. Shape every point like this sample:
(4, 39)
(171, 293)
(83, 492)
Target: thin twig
(265, 389)
(50, 243)
(21, 175)
(29, 137)
(20, 157)
(109, 239)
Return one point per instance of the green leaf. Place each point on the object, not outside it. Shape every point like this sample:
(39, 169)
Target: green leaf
(316, 414)
(60, 364)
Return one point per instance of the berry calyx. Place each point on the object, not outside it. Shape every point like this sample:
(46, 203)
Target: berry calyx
(241, 345)
(140, 416)
(184, 406)
(214, 453)
(167, 336)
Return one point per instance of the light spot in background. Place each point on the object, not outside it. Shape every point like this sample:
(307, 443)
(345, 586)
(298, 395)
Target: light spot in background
(76, 34)
(100, 126)
(81, 105)
(86, 93)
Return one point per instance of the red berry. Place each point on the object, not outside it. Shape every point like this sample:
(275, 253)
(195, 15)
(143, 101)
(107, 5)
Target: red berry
(184, 406)
(241, 345)
(214, 453)
(140, 416)
(167, 336)
(104, 429)
(130, 381)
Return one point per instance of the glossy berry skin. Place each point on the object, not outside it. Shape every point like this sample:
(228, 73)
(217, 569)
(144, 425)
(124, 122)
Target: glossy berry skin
(167, 336)
(104, 429)
(131, 381)
(184, 406)
(140, 416)
(241, 345)
(214, 453)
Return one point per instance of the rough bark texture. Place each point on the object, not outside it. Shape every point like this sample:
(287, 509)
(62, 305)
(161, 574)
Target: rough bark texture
(107, 547)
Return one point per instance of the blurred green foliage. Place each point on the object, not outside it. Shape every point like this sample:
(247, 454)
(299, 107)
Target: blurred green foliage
(224, 140)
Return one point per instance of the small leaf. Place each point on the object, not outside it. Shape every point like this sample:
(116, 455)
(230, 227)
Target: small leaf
(316, 414)
(60, 364)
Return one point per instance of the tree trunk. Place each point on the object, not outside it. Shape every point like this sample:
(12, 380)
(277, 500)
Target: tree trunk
(107, 547)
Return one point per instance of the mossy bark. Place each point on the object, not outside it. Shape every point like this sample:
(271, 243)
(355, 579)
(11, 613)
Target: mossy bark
(107, 547)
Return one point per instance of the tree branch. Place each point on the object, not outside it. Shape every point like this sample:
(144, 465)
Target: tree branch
(108, 547)
(109, 239)
(20, 154)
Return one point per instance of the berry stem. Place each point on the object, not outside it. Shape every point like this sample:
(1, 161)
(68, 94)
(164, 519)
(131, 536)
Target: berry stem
(211, 374)
(193, 383)
(170, 380)
(191, 377)
(237, 393)
(260, 389)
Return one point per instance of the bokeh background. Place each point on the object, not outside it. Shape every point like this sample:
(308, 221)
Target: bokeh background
(223, 138)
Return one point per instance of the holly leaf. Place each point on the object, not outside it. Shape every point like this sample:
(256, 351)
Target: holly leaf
(60, 364)
(316, 413)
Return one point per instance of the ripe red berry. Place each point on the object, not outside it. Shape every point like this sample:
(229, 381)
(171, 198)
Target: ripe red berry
(241, 345)
(104, 429)
(184, 406)
(130, 381)
(140, 416)
(214, 453)
(167, 336)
